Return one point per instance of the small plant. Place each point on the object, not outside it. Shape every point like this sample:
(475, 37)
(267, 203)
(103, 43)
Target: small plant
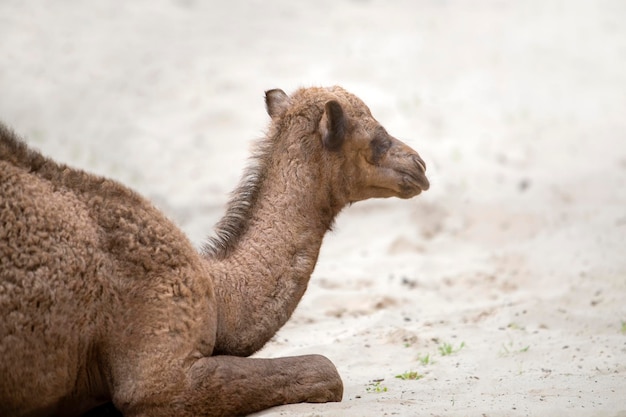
(446, 349)
(623, 327)
(413, 375)
(425, 360)
(375, 386)
(509, 350)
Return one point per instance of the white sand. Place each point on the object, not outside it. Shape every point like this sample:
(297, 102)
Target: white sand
(519, 109)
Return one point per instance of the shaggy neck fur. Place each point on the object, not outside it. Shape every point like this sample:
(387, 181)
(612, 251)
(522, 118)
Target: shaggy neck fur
(268, 242)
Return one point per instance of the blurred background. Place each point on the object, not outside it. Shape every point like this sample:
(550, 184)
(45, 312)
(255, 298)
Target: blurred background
(157, 93)
(160, 93)
(518, 108)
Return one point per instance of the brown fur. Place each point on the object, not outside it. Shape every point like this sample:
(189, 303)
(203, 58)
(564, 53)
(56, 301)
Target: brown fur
(104, 299)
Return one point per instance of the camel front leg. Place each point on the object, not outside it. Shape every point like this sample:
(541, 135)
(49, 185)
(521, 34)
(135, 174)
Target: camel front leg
(231, 386)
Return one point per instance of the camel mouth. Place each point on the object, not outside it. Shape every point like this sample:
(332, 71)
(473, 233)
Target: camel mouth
(419, 180)
(415, 173)
(412, 182)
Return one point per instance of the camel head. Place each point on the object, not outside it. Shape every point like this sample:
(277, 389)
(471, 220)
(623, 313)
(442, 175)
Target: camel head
(365, 160)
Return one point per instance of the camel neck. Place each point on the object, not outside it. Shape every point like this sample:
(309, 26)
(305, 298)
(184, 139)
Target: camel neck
(263, 276)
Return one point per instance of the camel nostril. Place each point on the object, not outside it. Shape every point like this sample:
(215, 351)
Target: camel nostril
(420, 163)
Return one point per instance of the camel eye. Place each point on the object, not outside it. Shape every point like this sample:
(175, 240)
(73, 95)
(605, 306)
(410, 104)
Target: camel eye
(379, 146)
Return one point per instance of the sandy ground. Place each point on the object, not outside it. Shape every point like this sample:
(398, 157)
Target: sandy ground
(516, 257)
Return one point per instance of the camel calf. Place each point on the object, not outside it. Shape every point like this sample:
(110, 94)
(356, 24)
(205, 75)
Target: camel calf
(103, 299)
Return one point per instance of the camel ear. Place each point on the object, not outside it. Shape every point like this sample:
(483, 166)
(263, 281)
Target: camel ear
(276, 102)
(333, 126)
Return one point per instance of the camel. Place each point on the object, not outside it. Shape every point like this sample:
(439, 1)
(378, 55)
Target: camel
(103, 299)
